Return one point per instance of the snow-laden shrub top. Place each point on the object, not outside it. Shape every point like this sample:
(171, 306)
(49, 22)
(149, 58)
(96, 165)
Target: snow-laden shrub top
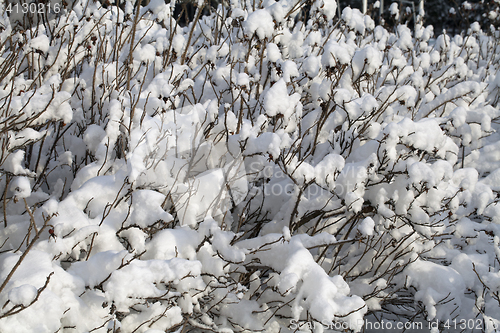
(245, 172)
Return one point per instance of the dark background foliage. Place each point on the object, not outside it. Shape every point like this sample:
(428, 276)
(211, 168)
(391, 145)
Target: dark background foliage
(450, 15)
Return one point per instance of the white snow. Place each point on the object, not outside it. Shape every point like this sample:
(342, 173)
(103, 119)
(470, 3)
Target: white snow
(273, 52)
(278, 102)
(366, 226)
(41, 43)
(24, 294)
(394, 10)
(21, 187)
(431, 290)
(260, 23)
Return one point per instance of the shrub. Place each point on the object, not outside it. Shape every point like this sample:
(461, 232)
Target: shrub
(249, 171)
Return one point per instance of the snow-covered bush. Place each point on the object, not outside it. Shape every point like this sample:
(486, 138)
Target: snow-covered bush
(247, 172)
